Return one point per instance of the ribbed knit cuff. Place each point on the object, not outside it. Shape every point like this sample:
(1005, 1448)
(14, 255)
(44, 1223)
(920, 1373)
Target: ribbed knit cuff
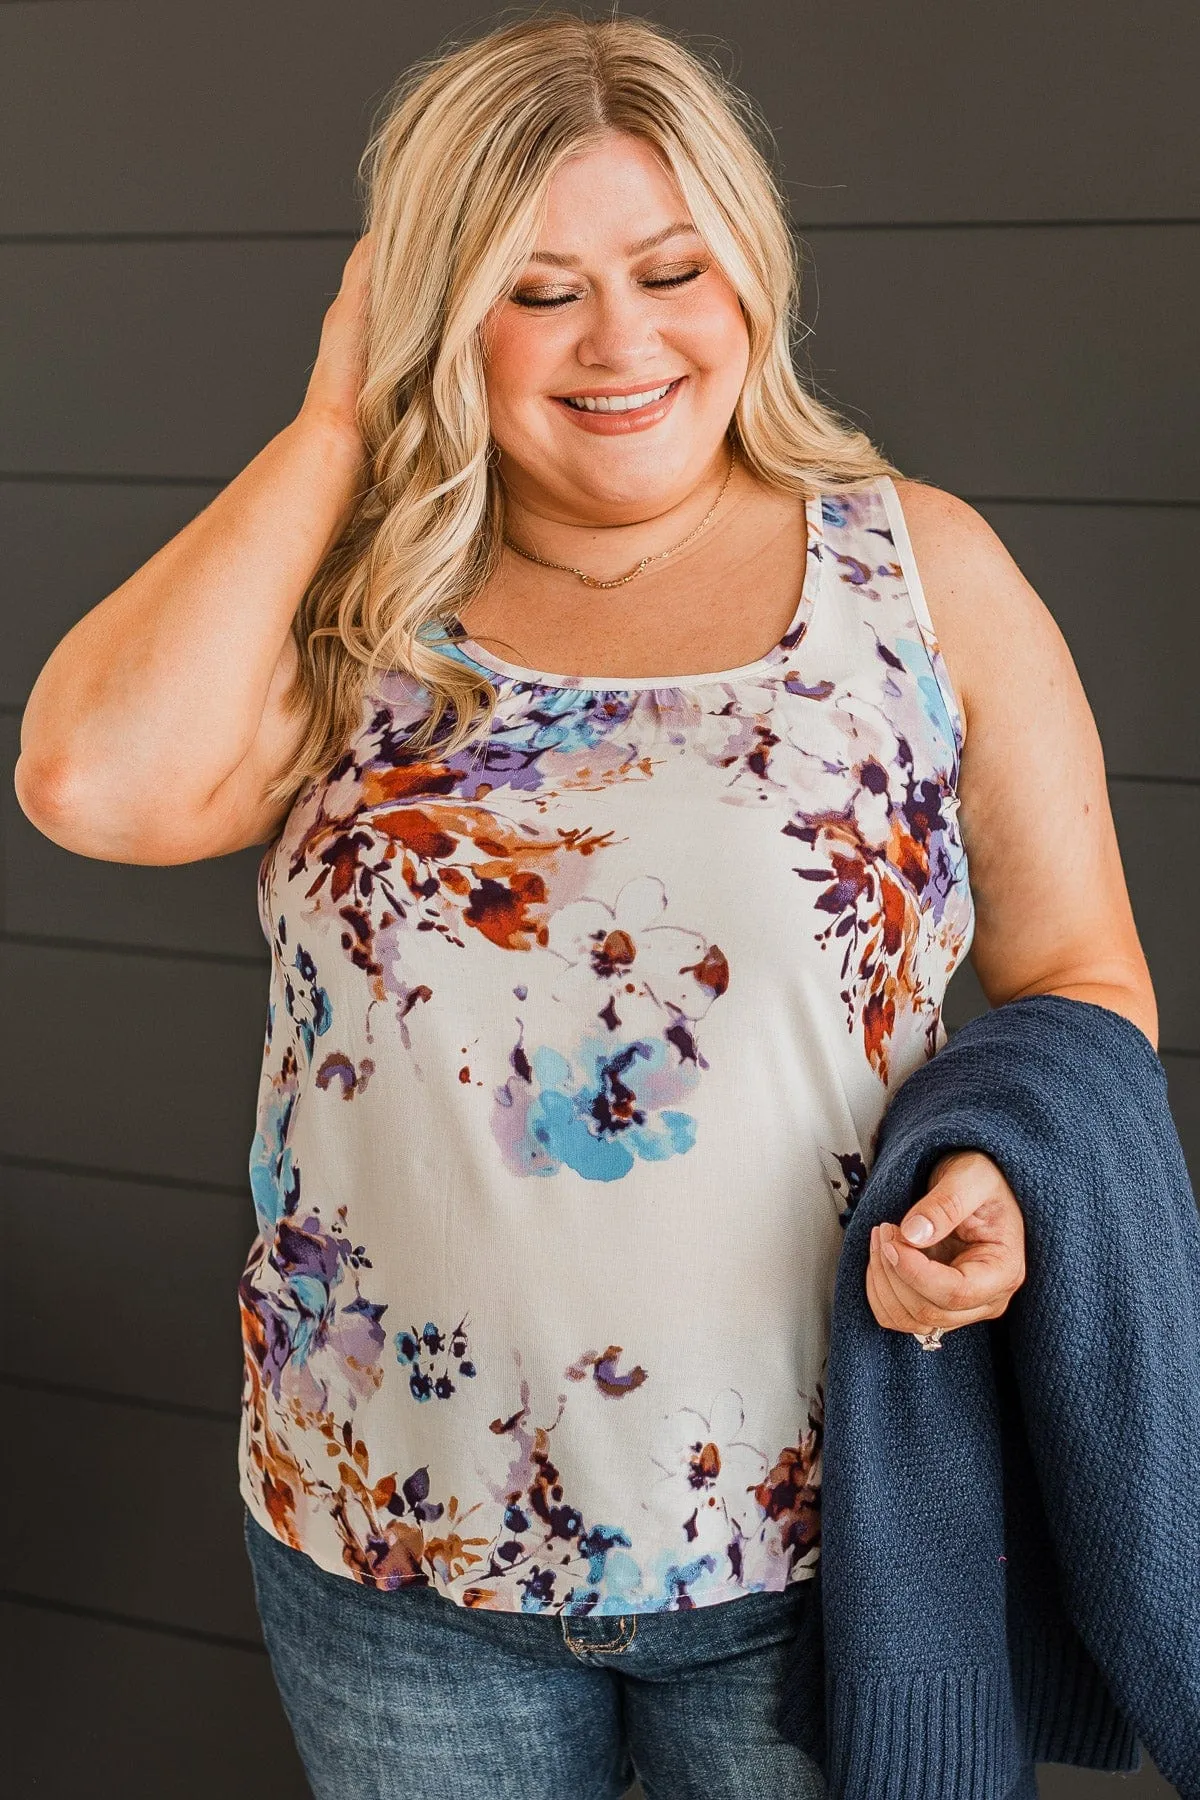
(934, 1735)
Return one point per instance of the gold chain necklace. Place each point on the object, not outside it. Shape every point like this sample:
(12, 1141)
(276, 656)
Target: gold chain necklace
(620, 580)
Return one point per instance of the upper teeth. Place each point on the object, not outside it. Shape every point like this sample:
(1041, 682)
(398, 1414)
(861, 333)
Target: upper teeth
(619, 402)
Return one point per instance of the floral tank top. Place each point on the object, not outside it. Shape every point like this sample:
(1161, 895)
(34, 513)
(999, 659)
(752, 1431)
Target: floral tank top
(577, 1042)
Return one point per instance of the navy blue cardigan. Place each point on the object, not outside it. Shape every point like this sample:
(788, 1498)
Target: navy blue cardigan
(1010, 1537)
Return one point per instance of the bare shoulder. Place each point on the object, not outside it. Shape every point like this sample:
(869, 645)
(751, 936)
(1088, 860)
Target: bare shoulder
(988, 618)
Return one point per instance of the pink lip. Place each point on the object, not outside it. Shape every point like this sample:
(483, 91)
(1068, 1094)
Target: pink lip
(608, 424)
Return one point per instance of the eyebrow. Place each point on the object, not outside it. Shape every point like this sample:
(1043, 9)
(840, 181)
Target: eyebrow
(682, 228)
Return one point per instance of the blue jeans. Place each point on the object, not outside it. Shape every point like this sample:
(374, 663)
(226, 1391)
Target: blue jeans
(394, 1694)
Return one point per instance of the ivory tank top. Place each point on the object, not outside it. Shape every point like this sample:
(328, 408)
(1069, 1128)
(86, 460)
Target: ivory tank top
(576, 1046)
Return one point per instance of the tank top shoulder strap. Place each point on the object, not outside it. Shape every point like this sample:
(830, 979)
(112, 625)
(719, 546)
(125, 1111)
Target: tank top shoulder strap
(866, 540)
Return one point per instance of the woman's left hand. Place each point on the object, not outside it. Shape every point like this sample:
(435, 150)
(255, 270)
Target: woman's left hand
(969, 1264)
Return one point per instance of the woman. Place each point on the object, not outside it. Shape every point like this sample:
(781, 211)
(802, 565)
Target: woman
(591, 983)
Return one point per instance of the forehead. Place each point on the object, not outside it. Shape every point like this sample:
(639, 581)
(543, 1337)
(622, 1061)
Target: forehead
(617, 197)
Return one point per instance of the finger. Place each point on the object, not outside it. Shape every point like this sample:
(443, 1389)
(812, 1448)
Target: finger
(895, 1312)
(980, 1276)
(892, 1307)
(961, 1184)
(908, 1309)
(880, 1296)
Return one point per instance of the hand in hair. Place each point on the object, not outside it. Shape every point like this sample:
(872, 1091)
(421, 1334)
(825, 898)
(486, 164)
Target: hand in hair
(336, 378)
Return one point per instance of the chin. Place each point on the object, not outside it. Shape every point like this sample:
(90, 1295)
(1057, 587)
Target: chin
(645, 467)
(648, 490)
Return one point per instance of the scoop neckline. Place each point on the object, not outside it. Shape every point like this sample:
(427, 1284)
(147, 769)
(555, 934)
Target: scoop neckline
(521, 674)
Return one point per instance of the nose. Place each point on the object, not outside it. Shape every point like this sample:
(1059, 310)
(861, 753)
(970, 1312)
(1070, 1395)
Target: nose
(619, 331)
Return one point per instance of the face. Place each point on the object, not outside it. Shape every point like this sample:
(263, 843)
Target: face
(600, 311)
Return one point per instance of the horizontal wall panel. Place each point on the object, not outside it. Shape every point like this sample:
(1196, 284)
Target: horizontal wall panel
(1116, 578)
(160, 359)
(208, 907)
(120, 1062)
(235, 117)
(980, 369)
(1158, 829)
(1183, 1089)
(216, 117)
(128, 1510)
(1016, 363)
(1119, 580)
(124, 1287)
(67, 545)
(108, 1712)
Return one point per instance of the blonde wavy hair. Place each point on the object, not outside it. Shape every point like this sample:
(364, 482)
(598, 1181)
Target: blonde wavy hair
(455, 176)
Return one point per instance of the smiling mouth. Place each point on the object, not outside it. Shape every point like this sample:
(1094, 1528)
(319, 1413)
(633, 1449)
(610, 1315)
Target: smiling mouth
(619, 403)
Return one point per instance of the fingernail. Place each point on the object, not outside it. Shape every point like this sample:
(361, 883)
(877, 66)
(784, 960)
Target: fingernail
(891, 1252)
(918, 1230)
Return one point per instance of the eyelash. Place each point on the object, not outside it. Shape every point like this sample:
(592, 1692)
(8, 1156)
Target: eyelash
(671, 281)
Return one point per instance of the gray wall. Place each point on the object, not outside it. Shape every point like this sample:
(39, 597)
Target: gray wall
(994, 205)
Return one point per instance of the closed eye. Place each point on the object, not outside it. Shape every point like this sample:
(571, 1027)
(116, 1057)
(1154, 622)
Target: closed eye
(533, 300)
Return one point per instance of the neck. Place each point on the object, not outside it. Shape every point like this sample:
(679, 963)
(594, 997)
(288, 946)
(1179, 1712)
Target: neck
(607, 547)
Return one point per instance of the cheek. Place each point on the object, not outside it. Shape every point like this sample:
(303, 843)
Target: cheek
(522, 357)
(715, 339)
